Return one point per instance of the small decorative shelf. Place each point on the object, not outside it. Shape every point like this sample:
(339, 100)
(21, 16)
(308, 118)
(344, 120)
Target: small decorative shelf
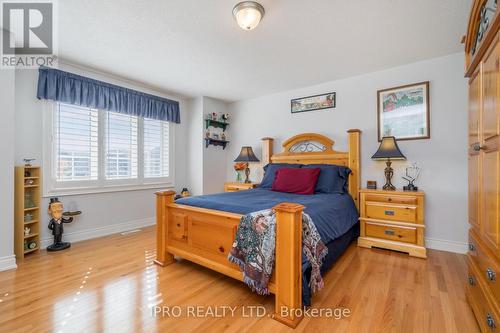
(215, 142)
(215, 123)
(28, 180)
(30, 250)
(30, 236)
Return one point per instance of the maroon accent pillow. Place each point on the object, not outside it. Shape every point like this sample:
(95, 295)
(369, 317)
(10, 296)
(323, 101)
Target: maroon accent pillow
(296, 180)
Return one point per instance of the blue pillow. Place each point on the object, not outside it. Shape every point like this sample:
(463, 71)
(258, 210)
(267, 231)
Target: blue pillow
(332, 178)
(270, 173)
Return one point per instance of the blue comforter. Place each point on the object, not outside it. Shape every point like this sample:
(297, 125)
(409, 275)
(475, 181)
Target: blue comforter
(332, 214)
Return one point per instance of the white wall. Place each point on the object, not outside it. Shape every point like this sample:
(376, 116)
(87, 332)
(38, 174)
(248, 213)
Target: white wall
(194, 162)
(206, 167)
(442, 158)
(102, 213)
(7, 107)
(214, 168)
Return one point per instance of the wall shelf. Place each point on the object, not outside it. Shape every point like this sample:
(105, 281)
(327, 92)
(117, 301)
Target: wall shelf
(215, 142)
(215, 123)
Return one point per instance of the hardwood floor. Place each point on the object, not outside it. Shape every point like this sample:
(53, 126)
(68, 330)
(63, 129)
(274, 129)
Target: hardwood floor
(110, 284)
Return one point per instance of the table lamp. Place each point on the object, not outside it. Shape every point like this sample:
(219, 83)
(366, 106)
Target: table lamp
(388, 150)
(247, 155)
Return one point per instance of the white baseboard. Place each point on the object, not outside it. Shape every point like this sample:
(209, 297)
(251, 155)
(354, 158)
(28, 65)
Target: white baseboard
(10, 262)
(446, 245)
(81, 235)
(7, 263)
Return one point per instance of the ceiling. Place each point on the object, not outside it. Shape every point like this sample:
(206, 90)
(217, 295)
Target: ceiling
(194, 47)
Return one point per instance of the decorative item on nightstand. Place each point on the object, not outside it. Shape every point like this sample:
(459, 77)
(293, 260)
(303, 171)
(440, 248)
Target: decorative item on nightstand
(412, 173)
(185, 192)
(247, 156)
(240, 169)
(388, 150)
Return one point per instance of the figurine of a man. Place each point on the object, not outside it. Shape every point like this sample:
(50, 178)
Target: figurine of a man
(56, 225)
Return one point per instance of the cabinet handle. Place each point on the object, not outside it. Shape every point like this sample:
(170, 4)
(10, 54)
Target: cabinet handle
(478, 147)
(490, 321)
(389, 212)
(389, 232)
(221, 249)
(472, 281)
(490, 274)
(390, 199)
(472, 247)
(178, 224)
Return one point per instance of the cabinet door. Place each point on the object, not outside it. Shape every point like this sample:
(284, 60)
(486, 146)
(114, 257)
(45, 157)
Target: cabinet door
(473, 158)
(490, 158)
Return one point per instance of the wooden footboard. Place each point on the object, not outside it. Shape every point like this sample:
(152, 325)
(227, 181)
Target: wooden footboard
(205, 236)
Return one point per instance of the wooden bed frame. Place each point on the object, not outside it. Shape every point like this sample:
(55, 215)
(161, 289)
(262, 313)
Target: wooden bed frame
(205, 236)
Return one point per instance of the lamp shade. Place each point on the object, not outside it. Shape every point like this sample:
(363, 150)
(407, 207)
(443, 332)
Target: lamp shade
(388, 149)
(246, 155)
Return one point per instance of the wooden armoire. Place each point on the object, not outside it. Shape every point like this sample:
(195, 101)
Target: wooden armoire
(482, 57)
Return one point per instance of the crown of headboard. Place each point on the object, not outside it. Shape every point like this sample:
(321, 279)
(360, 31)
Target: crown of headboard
(313, 148)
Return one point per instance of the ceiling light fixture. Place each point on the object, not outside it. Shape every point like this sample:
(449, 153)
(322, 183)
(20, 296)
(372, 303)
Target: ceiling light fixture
(248, 14)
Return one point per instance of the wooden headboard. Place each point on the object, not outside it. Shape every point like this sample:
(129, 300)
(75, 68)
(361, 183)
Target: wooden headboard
(313, 148)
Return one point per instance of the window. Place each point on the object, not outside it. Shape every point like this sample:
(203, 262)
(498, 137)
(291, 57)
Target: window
(75, 139)
(155, 148)
(97, 151)
(121, 146)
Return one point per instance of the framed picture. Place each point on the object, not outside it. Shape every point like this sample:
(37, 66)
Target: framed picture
(403, 112)
(311, 103)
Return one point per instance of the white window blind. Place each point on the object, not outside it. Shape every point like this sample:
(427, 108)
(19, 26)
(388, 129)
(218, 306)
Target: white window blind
(121, 146)
(93, 151)
(156, 147)
(75, 143)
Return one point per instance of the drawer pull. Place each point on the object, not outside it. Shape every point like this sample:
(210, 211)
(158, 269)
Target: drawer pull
(390, 199)
(221, 249)
(490, 321)
(389, 212)
(472, 247)
(490, 274)
(472, 281)
(389, 232)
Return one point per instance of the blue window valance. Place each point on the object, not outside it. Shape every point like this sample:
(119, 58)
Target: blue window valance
(60, 86)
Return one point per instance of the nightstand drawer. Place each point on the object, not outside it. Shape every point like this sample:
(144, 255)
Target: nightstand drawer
(235, 187)
(391, 232)
(397, 199)
(403, 213)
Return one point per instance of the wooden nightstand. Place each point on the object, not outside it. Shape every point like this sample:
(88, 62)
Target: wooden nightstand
(393, 220)
(235, 186)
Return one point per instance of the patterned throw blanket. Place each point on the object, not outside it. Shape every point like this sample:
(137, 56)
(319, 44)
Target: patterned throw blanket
(254, 249)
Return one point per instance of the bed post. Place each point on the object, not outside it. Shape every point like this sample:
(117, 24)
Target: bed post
(163, 258)
(267, 150)
(288, 296)
(354, 164)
